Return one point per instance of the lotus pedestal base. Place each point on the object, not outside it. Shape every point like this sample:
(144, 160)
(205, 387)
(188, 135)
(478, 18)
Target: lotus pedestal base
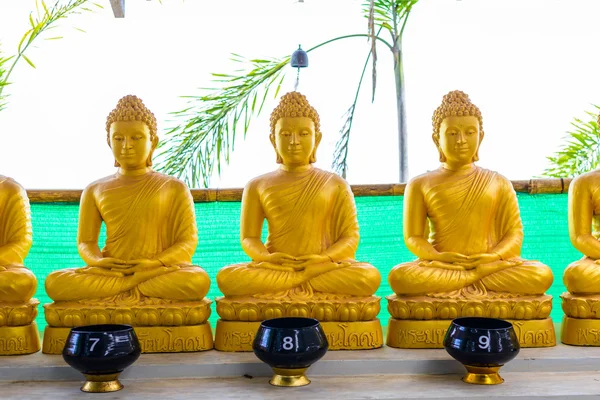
(360, 335)
(18, 330)
(580, 332)
(429, 334)
(16, 340)
(154, 339)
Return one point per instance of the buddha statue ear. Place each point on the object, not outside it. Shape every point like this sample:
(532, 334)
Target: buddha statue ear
(116, 164)
(154, 144)
(313, 156)
(476, 156)
(436, 140)
(279, 160)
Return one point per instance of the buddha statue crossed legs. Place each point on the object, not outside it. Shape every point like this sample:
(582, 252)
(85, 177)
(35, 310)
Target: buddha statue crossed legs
(463, 223)
(144, 275)
(581, 304)
(18, 330)
(306, 267)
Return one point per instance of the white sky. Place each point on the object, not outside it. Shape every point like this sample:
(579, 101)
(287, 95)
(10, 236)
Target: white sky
(530, 65)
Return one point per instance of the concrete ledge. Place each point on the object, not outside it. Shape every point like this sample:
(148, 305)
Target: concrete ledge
(386, 360)
(516, 386)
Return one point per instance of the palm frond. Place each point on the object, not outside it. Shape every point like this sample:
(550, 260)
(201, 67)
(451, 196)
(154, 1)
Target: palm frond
(372, 35)
(581, 151)
(42, 20)
(3, 72)
(206, 130)
(340, 155)
(388, 14)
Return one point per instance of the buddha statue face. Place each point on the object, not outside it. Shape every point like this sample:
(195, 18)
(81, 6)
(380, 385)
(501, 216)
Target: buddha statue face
(131, 133)
(295, 140)
(457, 129)
(132, 144)
(459, 139)
(295, 130)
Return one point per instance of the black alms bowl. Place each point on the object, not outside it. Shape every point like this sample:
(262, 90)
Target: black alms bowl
(481, 341)
(289, 346)
(482, 345)
(101, 352)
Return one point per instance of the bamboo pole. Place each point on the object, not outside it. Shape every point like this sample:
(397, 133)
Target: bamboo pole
(531, 186)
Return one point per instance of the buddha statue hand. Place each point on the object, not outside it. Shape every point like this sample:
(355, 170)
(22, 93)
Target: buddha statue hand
(2, 269)
(479, 259)
(108, 263)
(277, 261)
(277, 258)
(456, 261)
(104, 266)
(144, 265)
(311, 259)
(451, 257)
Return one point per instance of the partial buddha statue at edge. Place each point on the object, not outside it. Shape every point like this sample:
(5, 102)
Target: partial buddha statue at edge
(18, 330)
(311, 216)
(582, 277)
(17, 283)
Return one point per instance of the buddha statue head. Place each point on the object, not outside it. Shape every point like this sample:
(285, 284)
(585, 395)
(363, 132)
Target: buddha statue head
(295, 130)
(457, 129)
(131, 133)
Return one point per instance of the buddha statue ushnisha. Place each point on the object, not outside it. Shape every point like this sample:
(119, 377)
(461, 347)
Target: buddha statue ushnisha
(307, 266)
(581, 304)
(18, 330)
(144, 274)
(463, 223)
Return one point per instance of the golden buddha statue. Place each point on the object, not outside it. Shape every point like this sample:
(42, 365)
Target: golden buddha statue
(581, 305)
(18, 330)
(144, 275)
(463, 224)
(306, 267)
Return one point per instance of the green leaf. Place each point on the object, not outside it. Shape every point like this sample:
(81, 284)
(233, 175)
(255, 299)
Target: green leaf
(54, 38)
(205, 130)
(580, 152)
(23, 39)
(28, 60)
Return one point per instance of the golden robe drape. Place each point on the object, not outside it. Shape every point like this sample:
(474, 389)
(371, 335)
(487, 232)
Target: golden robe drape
(17, 284)
(304, 220)
(146, 217)
(473, 214)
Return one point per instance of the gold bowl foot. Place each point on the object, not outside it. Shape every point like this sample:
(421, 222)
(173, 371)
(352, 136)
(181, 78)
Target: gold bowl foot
(289, 377)
(101, 383)
(483, 375)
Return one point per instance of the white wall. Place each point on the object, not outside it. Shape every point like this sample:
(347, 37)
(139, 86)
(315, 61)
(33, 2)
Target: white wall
(530, 65)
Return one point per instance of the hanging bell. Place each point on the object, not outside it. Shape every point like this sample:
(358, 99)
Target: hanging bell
(299, 58)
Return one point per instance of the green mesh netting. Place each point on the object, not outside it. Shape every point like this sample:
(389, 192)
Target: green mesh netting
(380, 218)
